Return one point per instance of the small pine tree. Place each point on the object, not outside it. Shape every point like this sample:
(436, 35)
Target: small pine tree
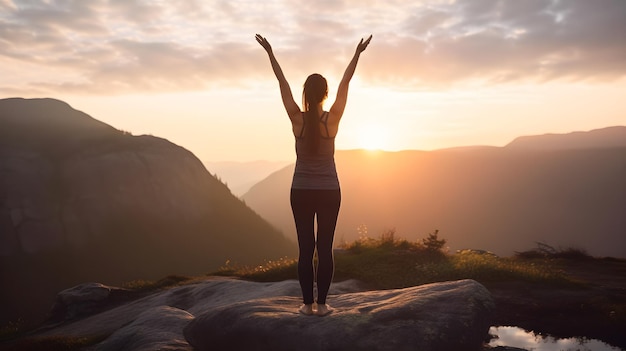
(388, 236)
(433, 243)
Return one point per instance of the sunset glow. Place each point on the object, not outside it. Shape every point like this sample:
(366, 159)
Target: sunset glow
(373, 137)
(437, 73)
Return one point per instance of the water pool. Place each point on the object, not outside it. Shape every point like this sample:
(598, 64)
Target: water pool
(518, 337)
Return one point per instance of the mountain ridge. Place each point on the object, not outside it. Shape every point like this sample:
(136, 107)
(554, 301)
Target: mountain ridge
(608, 137)
(242, 176)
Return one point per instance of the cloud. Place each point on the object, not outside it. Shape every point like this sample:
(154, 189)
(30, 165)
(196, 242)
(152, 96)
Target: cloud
(507, 40)
(102, 46)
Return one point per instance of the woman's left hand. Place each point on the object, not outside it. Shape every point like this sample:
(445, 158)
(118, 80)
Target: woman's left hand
(264, 43)
(362, 45)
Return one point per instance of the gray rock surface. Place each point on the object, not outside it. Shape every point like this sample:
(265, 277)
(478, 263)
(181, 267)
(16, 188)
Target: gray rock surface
(159, 328)
(195, 298)
(231, 314)
(442, 316)
(88, 292)
(86, 299)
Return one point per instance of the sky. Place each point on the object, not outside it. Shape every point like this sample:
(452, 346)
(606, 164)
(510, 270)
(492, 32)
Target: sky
(437, 73)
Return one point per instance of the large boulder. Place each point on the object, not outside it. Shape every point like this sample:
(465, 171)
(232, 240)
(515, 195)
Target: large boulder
(197, 299)
(442, 316)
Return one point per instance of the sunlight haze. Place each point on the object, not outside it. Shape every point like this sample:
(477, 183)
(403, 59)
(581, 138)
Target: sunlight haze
(437, 74)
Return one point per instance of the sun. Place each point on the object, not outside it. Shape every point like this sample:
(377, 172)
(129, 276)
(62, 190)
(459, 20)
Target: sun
(373, 137)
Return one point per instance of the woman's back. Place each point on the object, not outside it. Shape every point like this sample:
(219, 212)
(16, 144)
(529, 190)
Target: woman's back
(315, 166)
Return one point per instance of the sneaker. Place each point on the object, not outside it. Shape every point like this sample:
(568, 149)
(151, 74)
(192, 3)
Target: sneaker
(307, 310)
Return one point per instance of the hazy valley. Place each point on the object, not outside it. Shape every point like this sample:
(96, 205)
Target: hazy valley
(241, 176)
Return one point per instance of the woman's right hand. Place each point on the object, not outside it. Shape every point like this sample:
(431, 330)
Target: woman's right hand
(362, 45)
(264, 43)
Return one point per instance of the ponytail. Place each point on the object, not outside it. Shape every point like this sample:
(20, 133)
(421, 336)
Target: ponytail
(314, 92)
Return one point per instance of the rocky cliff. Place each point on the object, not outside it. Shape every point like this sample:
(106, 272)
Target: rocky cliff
(81, 200)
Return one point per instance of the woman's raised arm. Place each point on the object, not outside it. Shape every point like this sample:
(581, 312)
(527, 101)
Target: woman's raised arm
(336, 111)
(293, 110)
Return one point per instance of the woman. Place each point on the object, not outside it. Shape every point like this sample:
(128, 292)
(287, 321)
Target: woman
(315, 187)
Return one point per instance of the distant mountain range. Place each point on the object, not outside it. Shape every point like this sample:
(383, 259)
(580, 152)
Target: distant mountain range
(241, 176)
(567, 190)
(83, 201)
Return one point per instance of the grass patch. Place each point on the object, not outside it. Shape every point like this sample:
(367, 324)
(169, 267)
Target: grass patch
(270, 271)
(150, 285)
(490, 268)
(387, 263)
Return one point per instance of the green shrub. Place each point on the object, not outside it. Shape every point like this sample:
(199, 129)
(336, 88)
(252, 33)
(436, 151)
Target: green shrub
(546, 251)
(432, 242)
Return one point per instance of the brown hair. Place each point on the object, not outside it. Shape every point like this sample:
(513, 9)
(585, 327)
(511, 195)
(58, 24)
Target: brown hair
(315, 91)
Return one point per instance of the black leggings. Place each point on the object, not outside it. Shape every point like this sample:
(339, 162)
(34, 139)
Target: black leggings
(305, 204)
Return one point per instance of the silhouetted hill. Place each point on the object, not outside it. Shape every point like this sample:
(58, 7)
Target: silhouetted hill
(492, 198)
(82, 201)
(598, 138)
(45, 125)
